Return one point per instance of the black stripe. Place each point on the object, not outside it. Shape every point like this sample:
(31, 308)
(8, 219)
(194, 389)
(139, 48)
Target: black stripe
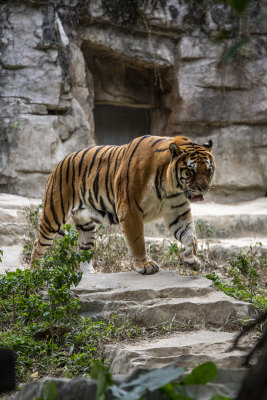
(94, 157)
(82, 228)
(82, 158)
(161, 176)
(137, 205)
(47, 222)
(161, 150)
(96, 180)
(60, 190)
(91, 202)
(87, 244)
(129, 163)
(179, 229)
(119, 184)
(73, 178)
(109, 214)
(177, 219)
(84, 183)
(52, 208)
(107, 176)
(171, 196)
(42, 228)
(180, 205)
(157, 141)
(102, 205)
(116, 160)
(68, 168)
(45, 237)
(184, 231)
(43, 244)
(157, 185)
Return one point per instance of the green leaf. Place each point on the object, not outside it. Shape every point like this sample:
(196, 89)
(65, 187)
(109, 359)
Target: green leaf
(104, 380)
(238, 6)
(49, 390)
(178, 394)
(150, 381)
(232, 51)
(201, 374)
(219, 397)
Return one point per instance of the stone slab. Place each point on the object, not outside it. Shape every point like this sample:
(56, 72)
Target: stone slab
(180, 349)
(12, 201)
(151, 300)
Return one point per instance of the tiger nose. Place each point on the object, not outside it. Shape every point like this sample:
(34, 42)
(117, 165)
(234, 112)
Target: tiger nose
(202, 186)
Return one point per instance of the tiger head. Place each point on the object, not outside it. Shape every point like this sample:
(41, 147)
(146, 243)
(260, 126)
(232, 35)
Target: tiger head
(191, 168)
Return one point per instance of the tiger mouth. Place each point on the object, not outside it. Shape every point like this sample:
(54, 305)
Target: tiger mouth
(193, 197)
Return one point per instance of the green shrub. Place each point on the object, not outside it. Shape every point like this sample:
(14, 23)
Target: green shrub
(245, 282)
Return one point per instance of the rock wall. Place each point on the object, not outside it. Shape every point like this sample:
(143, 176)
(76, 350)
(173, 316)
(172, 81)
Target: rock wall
(59, 59)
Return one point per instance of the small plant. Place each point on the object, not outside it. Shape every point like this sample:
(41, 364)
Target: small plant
(49, 391)
(204, 230)
(40, 318)
(244, 280)
(16, 125)
(37, 308)
(33, 219)
(111, 253)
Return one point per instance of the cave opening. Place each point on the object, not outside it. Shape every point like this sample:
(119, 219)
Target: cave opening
(129, 96)
(119, 125)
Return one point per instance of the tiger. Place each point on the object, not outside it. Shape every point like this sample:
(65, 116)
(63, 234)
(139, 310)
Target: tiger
(152, 177)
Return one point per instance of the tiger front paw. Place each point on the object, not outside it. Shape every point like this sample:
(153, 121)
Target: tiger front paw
(147, 267)
(193, 262)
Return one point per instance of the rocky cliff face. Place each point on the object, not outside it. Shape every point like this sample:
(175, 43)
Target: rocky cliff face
(61, 60)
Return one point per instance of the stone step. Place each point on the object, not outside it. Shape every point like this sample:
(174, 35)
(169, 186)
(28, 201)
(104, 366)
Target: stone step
(151, 300)
(13, 223)
(219, 250)
(183, 349)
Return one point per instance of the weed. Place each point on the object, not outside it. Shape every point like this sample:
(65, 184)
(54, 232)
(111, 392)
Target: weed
(203, 229)
(40, 318)
(33, 219)
(40, 304)
(243, 278)
(110, 253)
(15, 125)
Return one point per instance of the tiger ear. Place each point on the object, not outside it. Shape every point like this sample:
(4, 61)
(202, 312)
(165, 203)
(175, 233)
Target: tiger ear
(174, 149)
(208, 145)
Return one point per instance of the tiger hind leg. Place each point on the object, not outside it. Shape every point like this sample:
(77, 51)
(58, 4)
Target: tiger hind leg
(42, 244)
(85, 228)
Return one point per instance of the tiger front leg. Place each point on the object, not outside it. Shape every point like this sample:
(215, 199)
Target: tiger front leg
(133, 230)
(183, 229)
